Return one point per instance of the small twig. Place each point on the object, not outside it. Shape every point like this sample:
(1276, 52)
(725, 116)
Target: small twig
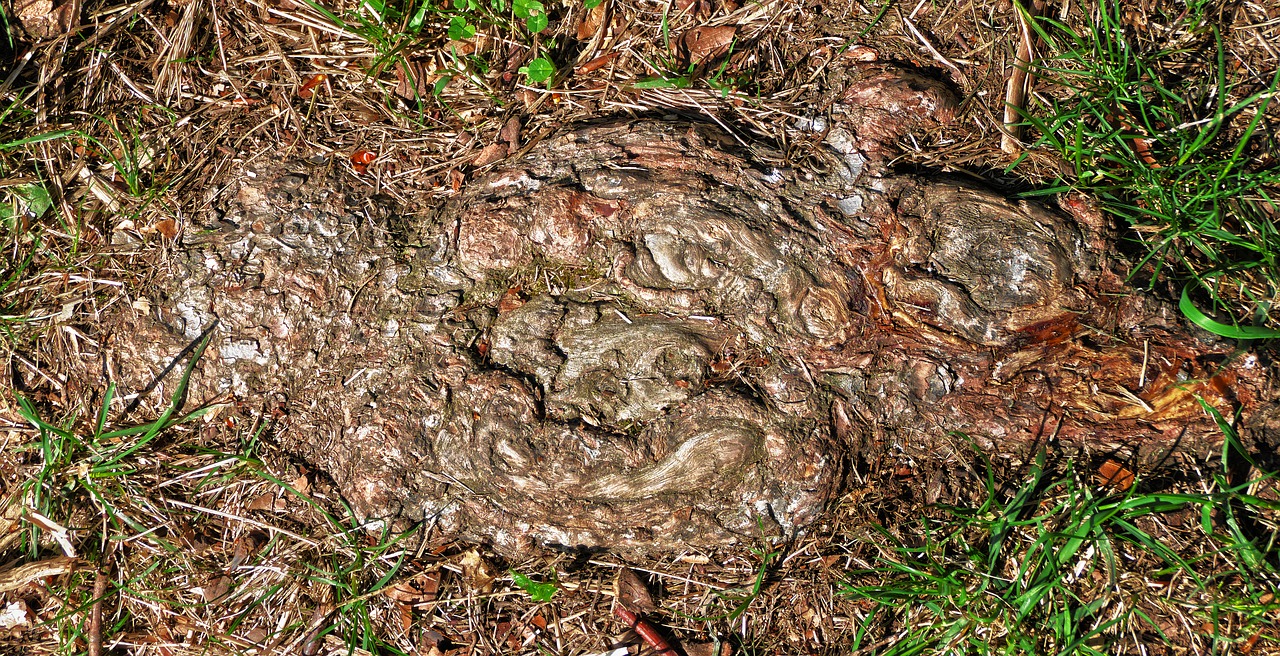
(937, 56)
(1020, 79)
(16, 577)
(95, 614)
(172, 364)
(646, 631)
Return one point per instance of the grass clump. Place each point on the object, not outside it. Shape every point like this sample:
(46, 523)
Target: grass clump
(1053, 566)
(1181, 157)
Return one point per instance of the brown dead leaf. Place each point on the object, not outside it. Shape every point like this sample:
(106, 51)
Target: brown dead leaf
(490, 154)
(702, 44)
(217, 589)
(420, 589)
(308, 88)
(168, 228)
(319, 621)
(470, 46)
(1116, 475)
(591, 22)
(406, 616)
(700, 8)
(411, 80)
(67, 16)
(477, 572)
(510, 134)
(510, 301)
(708, 649)
(164, 638)
(268, 502)
(632, 593)
(862, 54)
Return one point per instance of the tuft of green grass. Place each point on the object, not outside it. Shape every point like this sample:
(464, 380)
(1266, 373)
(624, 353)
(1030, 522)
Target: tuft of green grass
(1171, 154)
(133, 504)
(1046, 568)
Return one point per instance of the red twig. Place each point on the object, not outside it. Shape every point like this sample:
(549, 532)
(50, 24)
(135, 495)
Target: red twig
(646, 631)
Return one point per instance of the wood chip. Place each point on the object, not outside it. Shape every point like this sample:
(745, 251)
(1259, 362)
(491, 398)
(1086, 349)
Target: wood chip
(14, 578)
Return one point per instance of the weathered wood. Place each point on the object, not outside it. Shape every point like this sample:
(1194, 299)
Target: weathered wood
(640, 336)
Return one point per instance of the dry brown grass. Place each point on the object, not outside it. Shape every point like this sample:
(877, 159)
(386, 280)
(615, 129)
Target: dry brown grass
(203, 551)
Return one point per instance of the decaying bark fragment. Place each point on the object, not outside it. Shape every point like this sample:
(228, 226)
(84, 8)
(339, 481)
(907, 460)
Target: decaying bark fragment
(639, 337)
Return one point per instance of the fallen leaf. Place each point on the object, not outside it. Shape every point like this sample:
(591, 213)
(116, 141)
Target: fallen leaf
(632, 593)
(477, 572)
(168, 228)
(412, 81)
(862, 54)
(591, 22)
(702, 8)
(268, 502)
(490, 154)
(708, 649)
(694, 559)
(1116, 475)
(217, 589)
(510, 134)
(510, 301)
(703, 44)
(1247, 647)
(312, 645)
(36, 17)
(420, 589)
(257, 635)
(245, 547)
(406, 616)
(15, 614)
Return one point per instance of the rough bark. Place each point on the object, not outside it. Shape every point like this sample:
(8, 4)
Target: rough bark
(642, 336)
